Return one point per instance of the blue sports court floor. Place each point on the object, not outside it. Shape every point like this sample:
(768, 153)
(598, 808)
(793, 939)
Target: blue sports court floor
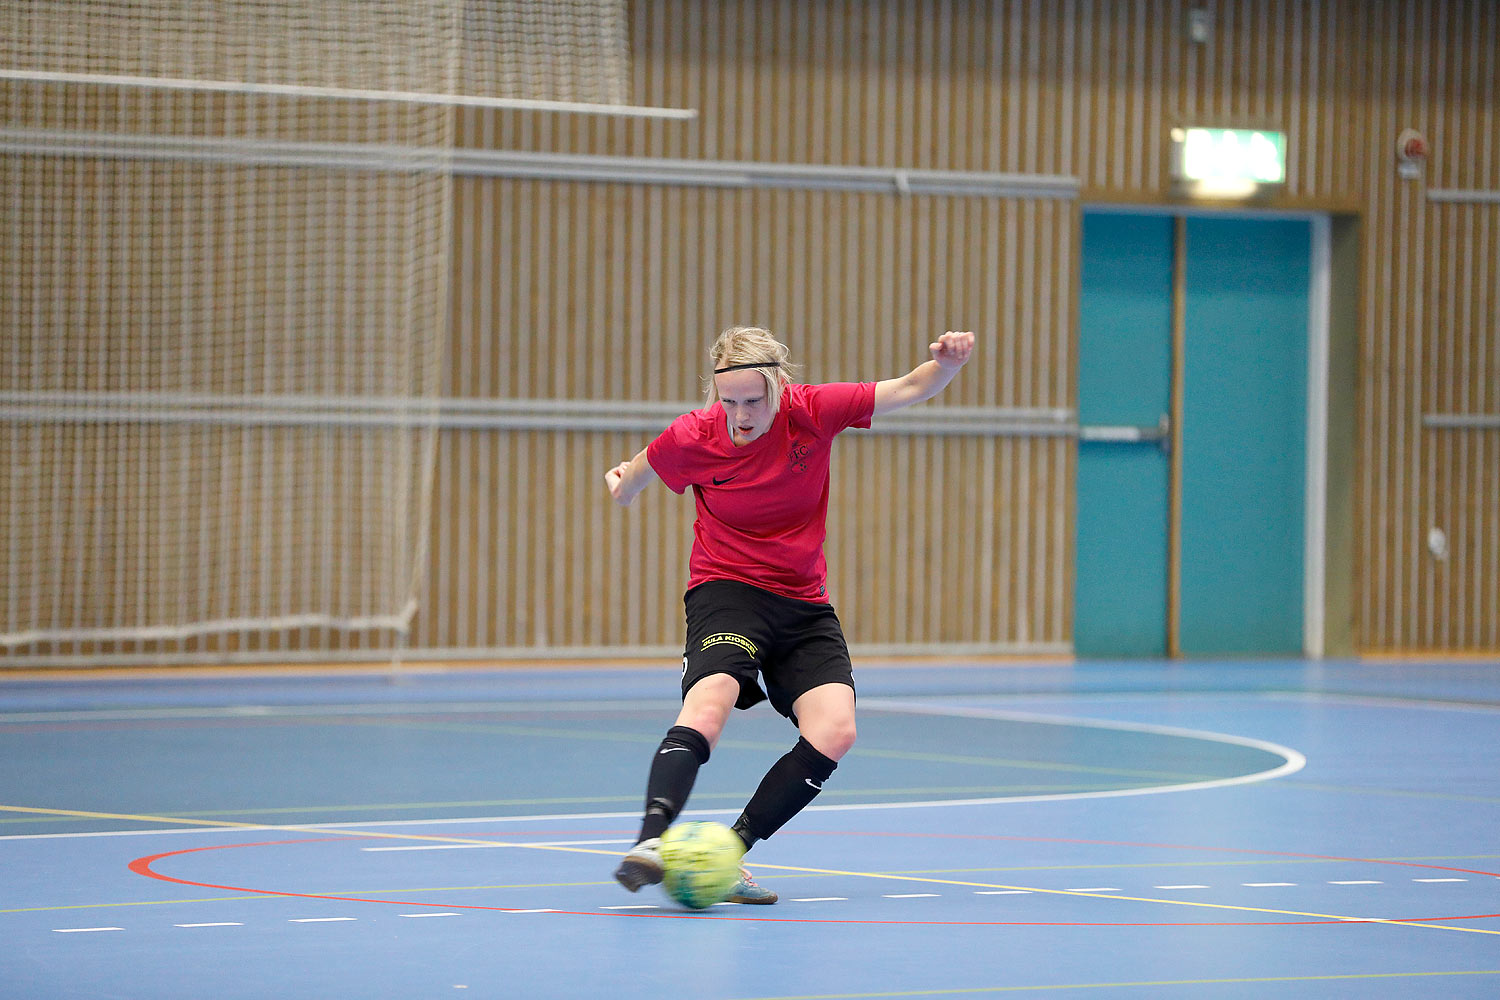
(1226, 829)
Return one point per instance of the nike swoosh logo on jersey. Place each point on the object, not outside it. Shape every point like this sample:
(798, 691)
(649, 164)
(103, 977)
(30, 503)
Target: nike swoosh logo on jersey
(813, 784)
(669, 750)
(721, 482)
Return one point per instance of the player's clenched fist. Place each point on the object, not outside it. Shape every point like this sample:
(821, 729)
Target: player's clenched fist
(952, 349)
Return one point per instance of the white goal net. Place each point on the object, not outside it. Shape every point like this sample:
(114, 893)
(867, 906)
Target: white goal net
(224, 269)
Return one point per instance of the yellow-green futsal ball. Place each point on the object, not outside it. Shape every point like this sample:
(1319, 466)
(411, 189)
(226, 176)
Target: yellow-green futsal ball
(700, 863)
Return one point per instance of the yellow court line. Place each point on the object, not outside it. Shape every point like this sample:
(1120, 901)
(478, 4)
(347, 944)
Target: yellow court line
(1132, 899)
(273, 895)
(380, 835)
(561, 800)
(191, 823)
(975, 990)
(85, 814)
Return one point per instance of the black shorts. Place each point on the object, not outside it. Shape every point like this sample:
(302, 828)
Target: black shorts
(753, 634)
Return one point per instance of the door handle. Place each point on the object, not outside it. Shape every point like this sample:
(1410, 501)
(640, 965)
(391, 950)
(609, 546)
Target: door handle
(1160, 434)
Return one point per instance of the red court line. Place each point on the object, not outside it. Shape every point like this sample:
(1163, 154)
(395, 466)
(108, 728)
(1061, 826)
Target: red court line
(145, 866)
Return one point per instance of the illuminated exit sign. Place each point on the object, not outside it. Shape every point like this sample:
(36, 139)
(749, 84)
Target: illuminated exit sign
(1228, 162)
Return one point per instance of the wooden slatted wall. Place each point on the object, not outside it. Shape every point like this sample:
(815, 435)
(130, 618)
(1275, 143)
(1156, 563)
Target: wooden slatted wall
(612, 291)
(1088, 88)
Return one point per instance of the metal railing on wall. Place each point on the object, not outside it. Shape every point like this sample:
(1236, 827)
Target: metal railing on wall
(535, 166)
(473, 414)
(1462, 421)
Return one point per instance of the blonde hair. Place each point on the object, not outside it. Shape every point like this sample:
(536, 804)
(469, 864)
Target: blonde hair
(748, 345)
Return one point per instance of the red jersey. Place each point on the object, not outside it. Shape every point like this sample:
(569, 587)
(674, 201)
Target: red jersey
(763, 506)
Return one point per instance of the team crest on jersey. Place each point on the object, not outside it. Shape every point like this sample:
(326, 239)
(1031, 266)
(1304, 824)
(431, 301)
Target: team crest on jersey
(797, 458)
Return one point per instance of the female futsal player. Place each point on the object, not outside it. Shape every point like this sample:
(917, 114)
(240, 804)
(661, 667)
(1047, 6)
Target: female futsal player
(757, 458)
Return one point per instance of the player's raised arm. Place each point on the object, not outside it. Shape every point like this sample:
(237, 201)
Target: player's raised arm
(626, 480)
(949, 353)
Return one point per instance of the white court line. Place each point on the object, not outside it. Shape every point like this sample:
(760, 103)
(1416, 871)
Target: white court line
(84, 930)
(529, 843)
(364, 825)
(1440, 880)
(434, 847)
(1292, 763)
(320, 920)
(272, 711)
(633, 906)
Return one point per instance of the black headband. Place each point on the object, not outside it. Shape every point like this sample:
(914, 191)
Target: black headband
(748, 364)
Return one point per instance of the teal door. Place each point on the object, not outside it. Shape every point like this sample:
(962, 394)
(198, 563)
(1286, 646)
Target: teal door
(1124, 380)
(1243, 434)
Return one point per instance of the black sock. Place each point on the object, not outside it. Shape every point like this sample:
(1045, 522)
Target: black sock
(673, 771)
(790, 784)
